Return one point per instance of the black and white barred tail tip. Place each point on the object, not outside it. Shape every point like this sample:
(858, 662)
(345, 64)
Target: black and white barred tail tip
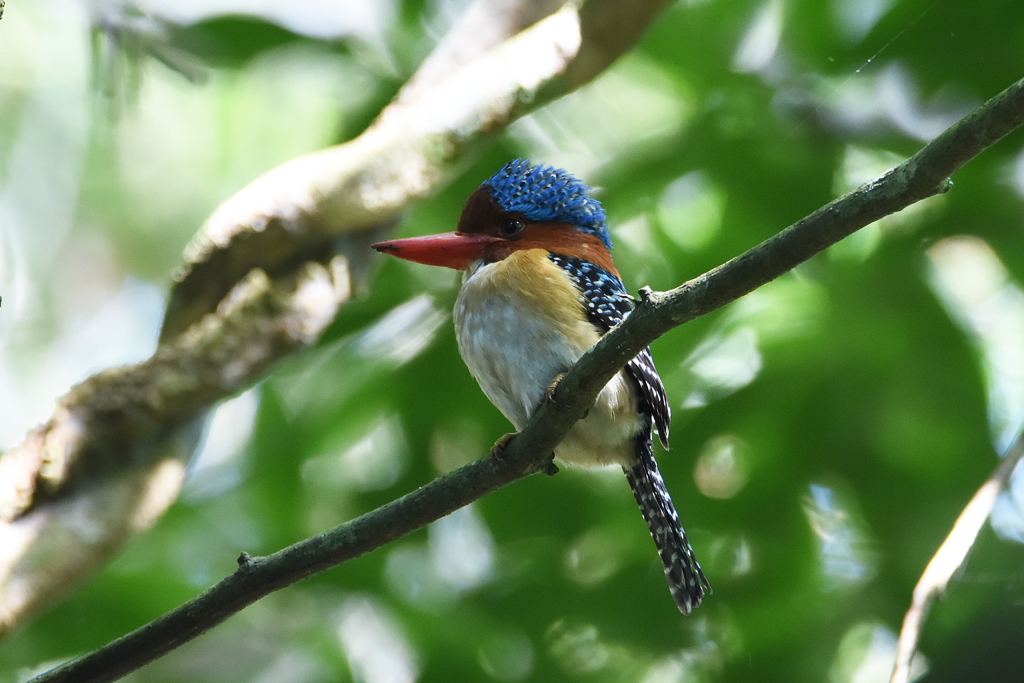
(686, 581)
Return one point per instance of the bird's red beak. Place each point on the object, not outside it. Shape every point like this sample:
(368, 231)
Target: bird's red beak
(449, 249)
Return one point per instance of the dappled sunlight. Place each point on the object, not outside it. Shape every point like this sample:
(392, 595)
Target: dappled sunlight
(988, 305)
(218, 465)
(461, 549)
(40, 360)
(371, 461)
(412, 577)
(637, 253)
(507, 656)
(596, 556)
(631, 108)
(729, 357)
(459, 556)
(580, 650)
(758, 47)
(866, 655)
(295, 665)
(784, 311)
(722, 467)
(1016, 174)
(901, 105)
(202, 549)
(722, 364)
(403, 332)
(887, 97)
(374, 645)
(364, 454)
(668, 670)
(331, 374)
(366, 19)
(856, 18)
(690, 211)
(452, 447)
(844, 545)
(732, 555)
(872, 99)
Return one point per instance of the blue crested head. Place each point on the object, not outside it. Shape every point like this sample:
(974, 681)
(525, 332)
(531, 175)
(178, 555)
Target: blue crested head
(546, 194)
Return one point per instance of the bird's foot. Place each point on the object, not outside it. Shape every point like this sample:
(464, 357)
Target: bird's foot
(498, 449)
(502, 444)
(549, 393)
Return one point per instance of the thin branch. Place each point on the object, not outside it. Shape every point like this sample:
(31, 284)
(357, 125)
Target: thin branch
(949, 557)
(260, 576)
(921, 176)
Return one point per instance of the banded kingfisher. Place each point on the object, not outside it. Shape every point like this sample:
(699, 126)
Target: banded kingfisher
(539, 289)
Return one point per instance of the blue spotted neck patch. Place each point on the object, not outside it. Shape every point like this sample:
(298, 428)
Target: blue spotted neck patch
(606, 304)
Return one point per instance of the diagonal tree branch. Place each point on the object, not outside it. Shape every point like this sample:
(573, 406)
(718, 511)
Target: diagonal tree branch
(921, 176)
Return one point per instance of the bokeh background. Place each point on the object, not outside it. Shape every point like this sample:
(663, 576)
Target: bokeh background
(827, 431)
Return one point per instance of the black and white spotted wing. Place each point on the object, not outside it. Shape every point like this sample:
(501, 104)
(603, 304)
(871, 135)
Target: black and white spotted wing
(607, 303)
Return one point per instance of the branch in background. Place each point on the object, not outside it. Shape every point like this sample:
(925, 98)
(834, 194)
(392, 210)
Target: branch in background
(116, 445)
(48, 499)
(922, 176)
(949, 557)
(413, 147)
(483, 25)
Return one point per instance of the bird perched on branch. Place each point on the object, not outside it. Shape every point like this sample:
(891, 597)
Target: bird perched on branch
(540, 288)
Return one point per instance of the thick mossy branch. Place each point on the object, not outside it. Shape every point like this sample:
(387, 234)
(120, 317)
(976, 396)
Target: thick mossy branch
(113, 456)
(317, 201)
(106, 423)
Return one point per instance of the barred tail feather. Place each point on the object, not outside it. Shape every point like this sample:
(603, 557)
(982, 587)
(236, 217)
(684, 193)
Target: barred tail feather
(685, 579)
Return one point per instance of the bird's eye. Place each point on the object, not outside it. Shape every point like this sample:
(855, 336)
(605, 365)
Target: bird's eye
(510, 227)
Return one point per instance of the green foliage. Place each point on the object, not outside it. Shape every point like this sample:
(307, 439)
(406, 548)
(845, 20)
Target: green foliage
(827, 429)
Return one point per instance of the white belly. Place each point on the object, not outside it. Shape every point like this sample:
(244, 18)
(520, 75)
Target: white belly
(515, 343)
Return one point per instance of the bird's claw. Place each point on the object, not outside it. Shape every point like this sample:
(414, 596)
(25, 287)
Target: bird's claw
(502, 444)
(549, 393)
(499, 447)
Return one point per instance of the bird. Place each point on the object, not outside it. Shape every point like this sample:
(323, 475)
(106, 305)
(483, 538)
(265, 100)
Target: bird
(539, 289)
